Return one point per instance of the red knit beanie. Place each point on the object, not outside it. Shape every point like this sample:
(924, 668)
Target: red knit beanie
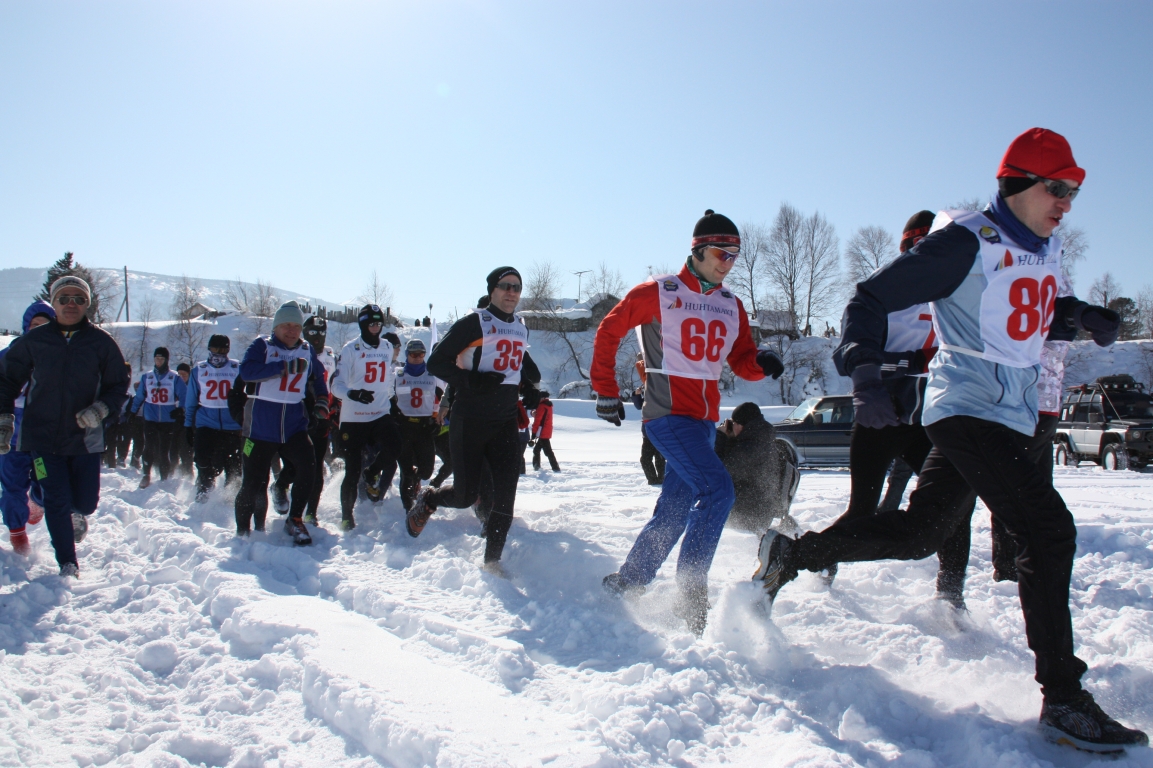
(1042, 153)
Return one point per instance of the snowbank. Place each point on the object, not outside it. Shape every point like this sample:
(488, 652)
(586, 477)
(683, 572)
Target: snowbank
(182, 645)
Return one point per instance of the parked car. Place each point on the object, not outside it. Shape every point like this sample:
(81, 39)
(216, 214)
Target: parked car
(1109, 422)
(819, 430)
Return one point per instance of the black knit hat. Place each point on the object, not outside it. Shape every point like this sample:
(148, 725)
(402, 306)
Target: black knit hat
(219, 341)
(916, 228)
(499, 274)
(184, 367)
(161, 352)
(715, 229)
(747, 412)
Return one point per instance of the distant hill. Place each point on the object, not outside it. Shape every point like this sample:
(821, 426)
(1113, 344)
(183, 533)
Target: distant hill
(19, 285)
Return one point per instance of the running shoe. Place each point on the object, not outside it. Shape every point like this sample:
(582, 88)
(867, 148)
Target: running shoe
(347, 523)
(771, 570)
(1078, 722)
(79, 526)
(70, 570)
(371, 486)
(294, 527)
(615, 584)
(279, 500)
(19, 541)
(418, 516)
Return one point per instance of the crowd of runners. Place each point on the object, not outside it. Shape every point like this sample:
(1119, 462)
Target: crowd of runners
(955, 351)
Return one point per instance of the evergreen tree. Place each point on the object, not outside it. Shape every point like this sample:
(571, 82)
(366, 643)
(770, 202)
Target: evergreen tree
(66, 266)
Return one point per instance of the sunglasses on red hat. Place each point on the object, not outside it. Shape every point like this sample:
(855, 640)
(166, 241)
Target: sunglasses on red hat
(1054, 187)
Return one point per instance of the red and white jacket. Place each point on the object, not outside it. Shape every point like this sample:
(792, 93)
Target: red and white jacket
(667, 394)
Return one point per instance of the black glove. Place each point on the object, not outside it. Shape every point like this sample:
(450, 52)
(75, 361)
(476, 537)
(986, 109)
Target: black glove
(530, 396)
(770, 363)
(872, 403)
(611, 409)
(484, 381)
(392, 339)
(178, 415)
(638, 400)
(1102, 324)
(190, 436)
(361, 395)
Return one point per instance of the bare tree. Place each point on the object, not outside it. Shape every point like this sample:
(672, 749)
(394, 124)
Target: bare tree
(1145, 312)
(1074, 246)
(784, 262)
(822, 268)
(376, 291)
(746, 276)
(1104, 290)
(238, 296)
(145, 314)
(869, 249)
(187, 336)
(542, 286)
(970, 204)
(606, 280)
(265, 300)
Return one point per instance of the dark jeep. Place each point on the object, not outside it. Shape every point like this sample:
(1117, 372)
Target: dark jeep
(1109, 422)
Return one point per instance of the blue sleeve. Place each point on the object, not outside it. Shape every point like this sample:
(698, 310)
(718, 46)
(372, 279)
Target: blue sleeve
(254, 368)
(181, 389)
(931, 270)
(191, 400)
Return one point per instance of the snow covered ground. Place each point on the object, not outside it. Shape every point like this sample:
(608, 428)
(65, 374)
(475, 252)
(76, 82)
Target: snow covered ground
(182, 645)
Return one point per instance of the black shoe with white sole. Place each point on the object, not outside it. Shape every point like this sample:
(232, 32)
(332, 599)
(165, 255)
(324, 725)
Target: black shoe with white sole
(1079, 722)
(772, 569)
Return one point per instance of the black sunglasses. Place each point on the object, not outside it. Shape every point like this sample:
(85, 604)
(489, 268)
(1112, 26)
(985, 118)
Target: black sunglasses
(512, 287)
(1054, 187)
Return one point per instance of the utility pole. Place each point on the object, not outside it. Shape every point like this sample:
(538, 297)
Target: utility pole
(124, 304)
(579, 275)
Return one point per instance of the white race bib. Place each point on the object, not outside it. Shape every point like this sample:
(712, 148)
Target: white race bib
(911, 329)
(1018, 301)
(415, 395)
(697, 330)
(502, 347)
(216, 383)
(160, 390)
(289, 388)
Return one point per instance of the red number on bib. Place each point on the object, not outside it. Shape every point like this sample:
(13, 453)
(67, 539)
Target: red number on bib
(509, 355)
(416, 397)
(369, 373)
(717, 335)
(1032, 304)
(160, 395)
(216, 390)
(693, 338)
(291, 384)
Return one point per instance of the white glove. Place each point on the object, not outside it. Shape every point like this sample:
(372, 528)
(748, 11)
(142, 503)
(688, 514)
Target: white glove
(7, 428)
(92, 416)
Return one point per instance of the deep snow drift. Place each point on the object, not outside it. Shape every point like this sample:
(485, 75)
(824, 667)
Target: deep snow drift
(183, 645)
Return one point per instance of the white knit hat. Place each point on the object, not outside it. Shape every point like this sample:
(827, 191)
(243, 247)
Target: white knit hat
(69, 281)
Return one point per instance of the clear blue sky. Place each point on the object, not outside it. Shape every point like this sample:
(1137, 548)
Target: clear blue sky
(310, 143)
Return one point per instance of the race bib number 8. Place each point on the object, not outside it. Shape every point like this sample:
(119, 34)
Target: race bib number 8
(1033, 304)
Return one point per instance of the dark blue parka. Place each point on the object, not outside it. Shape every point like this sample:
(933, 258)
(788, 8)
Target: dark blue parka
(65, 375)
